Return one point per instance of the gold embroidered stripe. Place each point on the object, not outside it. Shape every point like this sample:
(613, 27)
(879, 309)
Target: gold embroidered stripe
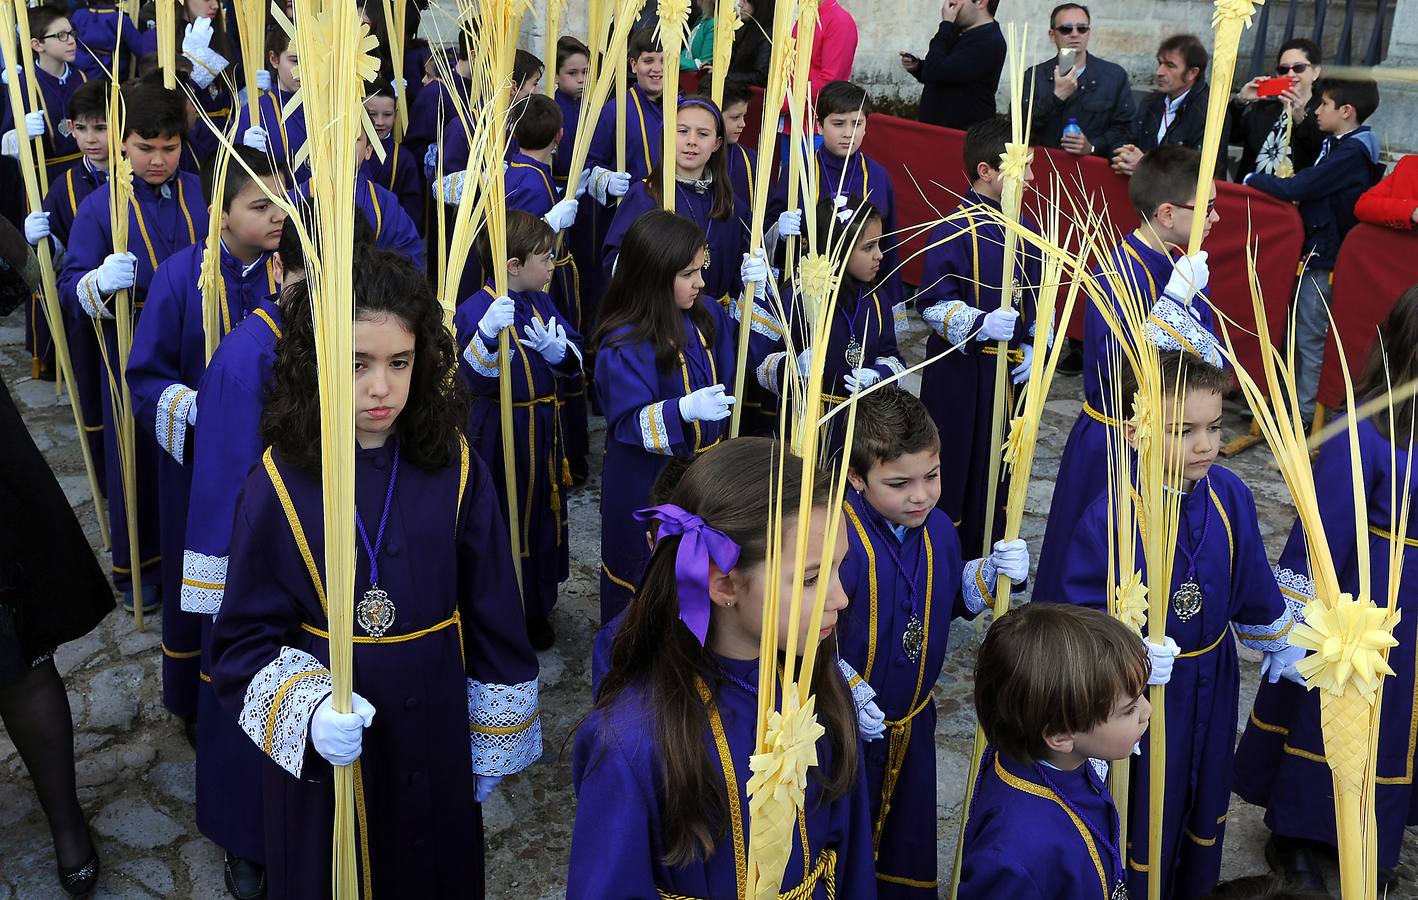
(452, 620)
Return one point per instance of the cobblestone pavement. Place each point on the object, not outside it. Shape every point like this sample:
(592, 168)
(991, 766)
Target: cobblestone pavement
(135, 769)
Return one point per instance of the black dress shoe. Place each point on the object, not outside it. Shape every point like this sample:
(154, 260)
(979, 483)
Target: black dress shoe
(540, 633)
(1292, 858)
(79, 882)
(1071, 361)
(580, 472)
(189, 730)
(245, 880)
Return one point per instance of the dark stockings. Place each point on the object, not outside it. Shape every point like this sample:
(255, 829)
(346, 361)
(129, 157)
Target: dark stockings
(35, 711)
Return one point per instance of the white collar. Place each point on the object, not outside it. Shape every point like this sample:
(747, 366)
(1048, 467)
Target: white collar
(245, 270)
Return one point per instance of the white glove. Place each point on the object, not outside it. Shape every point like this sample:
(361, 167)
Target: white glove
(618, 185)
(192, 410)
(582, 183)
(754, 269)
(1011, 558)
(549, 340)
(561, 216)
(501, 314)
(338, 737)
(118, 272)
(1281, 664)
(36, 227)
(197, 37)
(399, 85)
(34, 123)
(1162, 655)
(263, 80)
(485, 784)
(450, 191)
(709, 404)
(871, 722)
(6, 73)
(998, 325)
(256, 138)
(804, 362)
(790, 223)
(1190, 276)
(860, 379)
(1020, 373)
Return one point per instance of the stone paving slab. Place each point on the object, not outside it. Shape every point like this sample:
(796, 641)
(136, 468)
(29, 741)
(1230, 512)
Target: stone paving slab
(136, 769)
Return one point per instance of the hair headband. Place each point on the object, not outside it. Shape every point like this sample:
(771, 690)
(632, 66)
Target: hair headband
(706, 104)
(698, 544)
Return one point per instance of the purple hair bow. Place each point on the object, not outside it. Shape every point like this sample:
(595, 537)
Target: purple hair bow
(698, 544)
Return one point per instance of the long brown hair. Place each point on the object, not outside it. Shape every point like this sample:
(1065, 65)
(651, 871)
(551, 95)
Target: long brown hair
(718, 164)
(726, 487)
(1394, 361)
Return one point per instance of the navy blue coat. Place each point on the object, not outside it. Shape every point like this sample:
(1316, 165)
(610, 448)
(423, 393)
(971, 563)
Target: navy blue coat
(1103, 106)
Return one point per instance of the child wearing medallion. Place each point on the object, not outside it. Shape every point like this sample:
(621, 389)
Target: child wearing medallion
(1221, 588)
(904, 576)
(1060, 692)
(661, 765)
(52, 41)
(446, 685)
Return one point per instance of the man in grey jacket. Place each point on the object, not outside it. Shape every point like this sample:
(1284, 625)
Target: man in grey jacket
(1091, 90)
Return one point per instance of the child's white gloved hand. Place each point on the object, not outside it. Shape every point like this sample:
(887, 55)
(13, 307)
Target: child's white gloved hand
(501, 314)
(790, 223)
(998, 325)
(561, 216)
(871, 721)
(1190, 276)
(549, 340)
(1011, 558)
(860, 379)
(255, 137)
(708, 404)
(754, 269)
(1281, 664)
(263, 80)
(485, 784)
(1162, 655)
(197, 37)
(1020, 373)
(36, 227)
(118, 272)
(339, 737)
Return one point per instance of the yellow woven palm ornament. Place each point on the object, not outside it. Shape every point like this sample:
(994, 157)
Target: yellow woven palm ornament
(1348, 639)
(777, 787)
(1131, 599)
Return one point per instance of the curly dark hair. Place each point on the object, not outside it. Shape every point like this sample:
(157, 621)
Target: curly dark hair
(432, 421)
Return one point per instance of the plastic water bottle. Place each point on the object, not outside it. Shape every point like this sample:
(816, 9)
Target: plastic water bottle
(1072, 128)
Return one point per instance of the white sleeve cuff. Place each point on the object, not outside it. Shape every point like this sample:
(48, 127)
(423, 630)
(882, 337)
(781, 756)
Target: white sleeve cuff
(767, 372)
(479, 358)
(862, 693)
(977, 584)
(207, 64)
(1267, 638)
(91, 298)
(1297, 589)
(761, 321)
(203, 582)
(598, 185)
(504, 726)
(279, 702)
(654, 435)
(171, 422)
(1171, 327)
(953, 320)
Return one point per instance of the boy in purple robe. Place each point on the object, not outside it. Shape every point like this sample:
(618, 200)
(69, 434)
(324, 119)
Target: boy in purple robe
(548, 351)
(960, 301)
(644, 123)
(667, 354)
(399, 172)
(54, 47)
(661, 766)
(526, 76)
(1042, 824)
(904, 575)
(280, 137)
(102, 28)
(1149, 269)
(840, 169)
(168, 213)
(1221, 584)
(437, 105)
(1280, 761)
(445, 699)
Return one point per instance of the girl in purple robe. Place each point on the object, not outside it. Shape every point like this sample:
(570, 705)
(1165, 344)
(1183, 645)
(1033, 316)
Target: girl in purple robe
(546, 351)
(1280, 761)
(661, 766)
(445, 690)
(1221, 588)
(1042, 824)
(1150, 267)
(666, 353)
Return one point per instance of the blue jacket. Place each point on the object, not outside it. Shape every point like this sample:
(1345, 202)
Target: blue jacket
(1327, 191)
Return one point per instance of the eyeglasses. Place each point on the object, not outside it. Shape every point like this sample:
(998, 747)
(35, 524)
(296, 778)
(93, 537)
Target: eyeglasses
(1070, 29)
(1297, 68)
(62, 37)
(1210, 207)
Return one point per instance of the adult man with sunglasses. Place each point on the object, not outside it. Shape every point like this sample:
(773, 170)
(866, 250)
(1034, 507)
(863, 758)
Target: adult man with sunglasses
(1090, 90)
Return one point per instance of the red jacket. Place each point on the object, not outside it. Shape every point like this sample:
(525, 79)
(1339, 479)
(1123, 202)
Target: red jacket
(834, 46)
(1391, 202)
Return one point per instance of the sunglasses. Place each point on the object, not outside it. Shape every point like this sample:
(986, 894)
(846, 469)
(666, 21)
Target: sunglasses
(1297, 68)
(1070, 29)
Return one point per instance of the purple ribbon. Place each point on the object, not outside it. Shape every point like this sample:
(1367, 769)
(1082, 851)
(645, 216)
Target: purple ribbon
(698, 544)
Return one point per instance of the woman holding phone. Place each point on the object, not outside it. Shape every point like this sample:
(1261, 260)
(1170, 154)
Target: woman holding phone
(1265, 109)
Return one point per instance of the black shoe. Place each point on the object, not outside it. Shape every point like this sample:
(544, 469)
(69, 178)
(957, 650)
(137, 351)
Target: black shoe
(580, 472)
(540, 633)
(245, 880)
(1388, 880)
(1293, 859)
(79, 882)
(1071, 362)
(189, 730)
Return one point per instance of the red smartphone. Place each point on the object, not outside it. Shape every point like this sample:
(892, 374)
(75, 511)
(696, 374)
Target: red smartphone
(1273, 87)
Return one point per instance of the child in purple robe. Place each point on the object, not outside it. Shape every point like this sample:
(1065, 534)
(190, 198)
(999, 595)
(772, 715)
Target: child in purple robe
(1280, 761)
(102, 28)
(526, 76)
(743, 161)
(547, 351)
(204, 56)
(861, 345)
(703, 194)
(437, 104)
(1042, 824)
(445, 688)
(667, 353)
(399, 173)
(904, 575)
(644, 124)
(280, 137)
(1149, 267)
(661, 766)
(1220, 585)
(167, 214)
(840, 169)
(960, 301)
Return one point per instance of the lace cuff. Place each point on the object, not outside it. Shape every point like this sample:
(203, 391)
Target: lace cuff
(1268, 638)
(761, 321)
(767, 372)
(91, 298)
(862, 693)
(207, 65)
(504, 726)
(174, 406)
(482, 360)
(203, 582)
(977, 584)
(1171, 327)
(891, 364)
(1297, 588)
(279, 702)
(654, 435)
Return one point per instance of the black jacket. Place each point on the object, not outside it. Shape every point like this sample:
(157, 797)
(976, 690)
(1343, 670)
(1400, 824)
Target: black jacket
(961, 74)
(1251, 124)
(1188, 128)
(1102, 105)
